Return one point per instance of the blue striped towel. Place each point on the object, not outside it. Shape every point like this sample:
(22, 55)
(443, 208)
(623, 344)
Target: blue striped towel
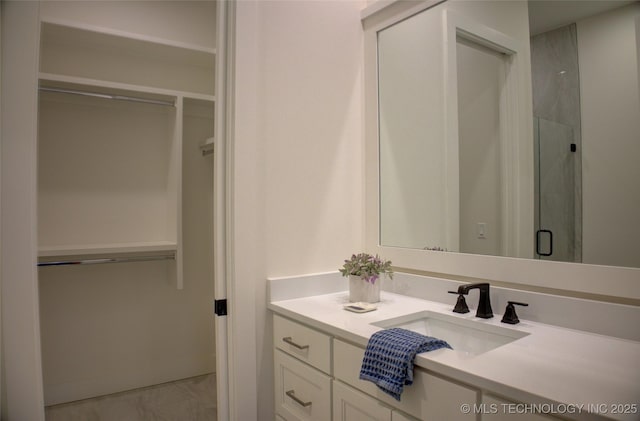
(388, 359)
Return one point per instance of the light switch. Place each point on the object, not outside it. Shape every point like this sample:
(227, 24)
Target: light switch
(482, 230)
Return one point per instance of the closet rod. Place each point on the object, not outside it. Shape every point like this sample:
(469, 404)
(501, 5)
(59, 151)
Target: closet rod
(108, 96)
(107, 260)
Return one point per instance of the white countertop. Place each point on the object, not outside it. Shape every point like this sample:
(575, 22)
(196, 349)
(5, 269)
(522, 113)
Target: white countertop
(552, 365)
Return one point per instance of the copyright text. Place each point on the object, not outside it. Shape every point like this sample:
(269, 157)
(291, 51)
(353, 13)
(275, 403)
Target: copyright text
(548, 408)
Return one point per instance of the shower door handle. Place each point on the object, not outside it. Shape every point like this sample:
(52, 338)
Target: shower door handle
(538, 242)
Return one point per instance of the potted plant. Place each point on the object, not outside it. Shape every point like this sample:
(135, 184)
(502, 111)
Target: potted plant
(364, 271)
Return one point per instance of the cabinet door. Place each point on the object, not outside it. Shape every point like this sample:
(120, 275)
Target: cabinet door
(351, 405)
(497, 409)
(431, 397)
(397, 416)
(301, 392)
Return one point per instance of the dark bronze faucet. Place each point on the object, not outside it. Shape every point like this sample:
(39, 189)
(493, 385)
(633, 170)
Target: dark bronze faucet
(484, 304)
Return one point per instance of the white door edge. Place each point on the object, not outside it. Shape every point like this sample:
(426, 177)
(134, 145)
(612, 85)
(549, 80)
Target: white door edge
(221, 212)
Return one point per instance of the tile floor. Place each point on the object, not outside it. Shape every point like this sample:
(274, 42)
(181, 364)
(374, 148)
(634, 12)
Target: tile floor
(191, 399)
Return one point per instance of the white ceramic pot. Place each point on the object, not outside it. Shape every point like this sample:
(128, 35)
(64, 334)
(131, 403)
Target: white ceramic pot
(363, 291)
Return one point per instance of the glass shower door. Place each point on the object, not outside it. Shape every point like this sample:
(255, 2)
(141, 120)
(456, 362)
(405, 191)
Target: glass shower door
(557, 198)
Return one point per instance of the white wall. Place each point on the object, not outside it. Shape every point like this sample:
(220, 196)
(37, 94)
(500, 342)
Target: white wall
(297, 161)
(610, 103)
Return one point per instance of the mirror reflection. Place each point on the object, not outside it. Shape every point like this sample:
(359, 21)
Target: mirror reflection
(529, 151)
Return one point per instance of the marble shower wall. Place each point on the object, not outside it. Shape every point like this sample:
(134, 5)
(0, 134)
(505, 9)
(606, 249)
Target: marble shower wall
(556, 98)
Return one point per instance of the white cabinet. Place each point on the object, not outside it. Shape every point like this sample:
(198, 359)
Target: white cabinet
(301, 392)
(302, 362)
(397, 416)
(351, 405)
(430, 397)
(302, 342)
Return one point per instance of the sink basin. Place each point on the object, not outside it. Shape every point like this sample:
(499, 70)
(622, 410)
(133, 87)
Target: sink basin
(465, 336)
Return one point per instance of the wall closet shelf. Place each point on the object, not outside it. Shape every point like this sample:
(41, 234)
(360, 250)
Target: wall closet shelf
(115, 56)
(107, 249)
(145, 45)
(101, 95)
(105, 260)
(55, 81)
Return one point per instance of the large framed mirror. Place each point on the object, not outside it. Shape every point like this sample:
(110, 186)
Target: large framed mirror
(502, 141)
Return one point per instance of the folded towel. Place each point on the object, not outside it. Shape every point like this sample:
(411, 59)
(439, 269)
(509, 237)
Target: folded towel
(388, 359)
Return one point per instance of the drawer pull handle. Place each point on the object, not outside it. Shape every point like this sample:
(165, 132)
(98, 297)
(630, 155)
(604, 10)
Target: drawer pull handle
(290, 342)
(292, 394)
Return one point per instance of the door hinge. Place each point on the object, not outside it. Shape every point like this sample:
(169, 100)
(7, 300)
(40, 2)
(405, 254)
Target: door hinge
(220, 307)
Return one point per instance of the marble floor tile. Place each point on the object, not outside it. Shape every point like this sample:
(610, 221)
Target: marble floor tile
(192, 399)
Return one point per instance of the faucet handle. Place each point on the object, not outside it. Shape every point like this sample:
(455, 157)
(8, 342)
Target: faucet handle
(461, 304)
(510, 315)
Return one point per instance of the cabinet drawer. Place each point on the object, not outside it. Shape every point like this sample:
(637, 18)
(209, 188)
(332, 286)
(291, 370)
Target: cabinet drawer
(429, 398)
(301, 392)
(303, 343)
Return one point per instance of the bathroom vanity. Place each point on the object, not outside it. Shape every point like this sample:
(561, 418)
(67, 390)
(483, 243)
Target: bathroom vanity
(527, 371)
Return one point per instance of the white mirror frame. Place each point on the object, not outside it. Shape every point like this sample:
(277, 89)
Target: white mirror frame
(618, 284)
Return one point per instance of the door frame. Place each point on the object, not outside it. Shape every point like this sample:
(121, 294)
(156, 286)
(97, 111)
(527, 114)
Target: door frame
(513, 241)
(22, 368)
(221, 205)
